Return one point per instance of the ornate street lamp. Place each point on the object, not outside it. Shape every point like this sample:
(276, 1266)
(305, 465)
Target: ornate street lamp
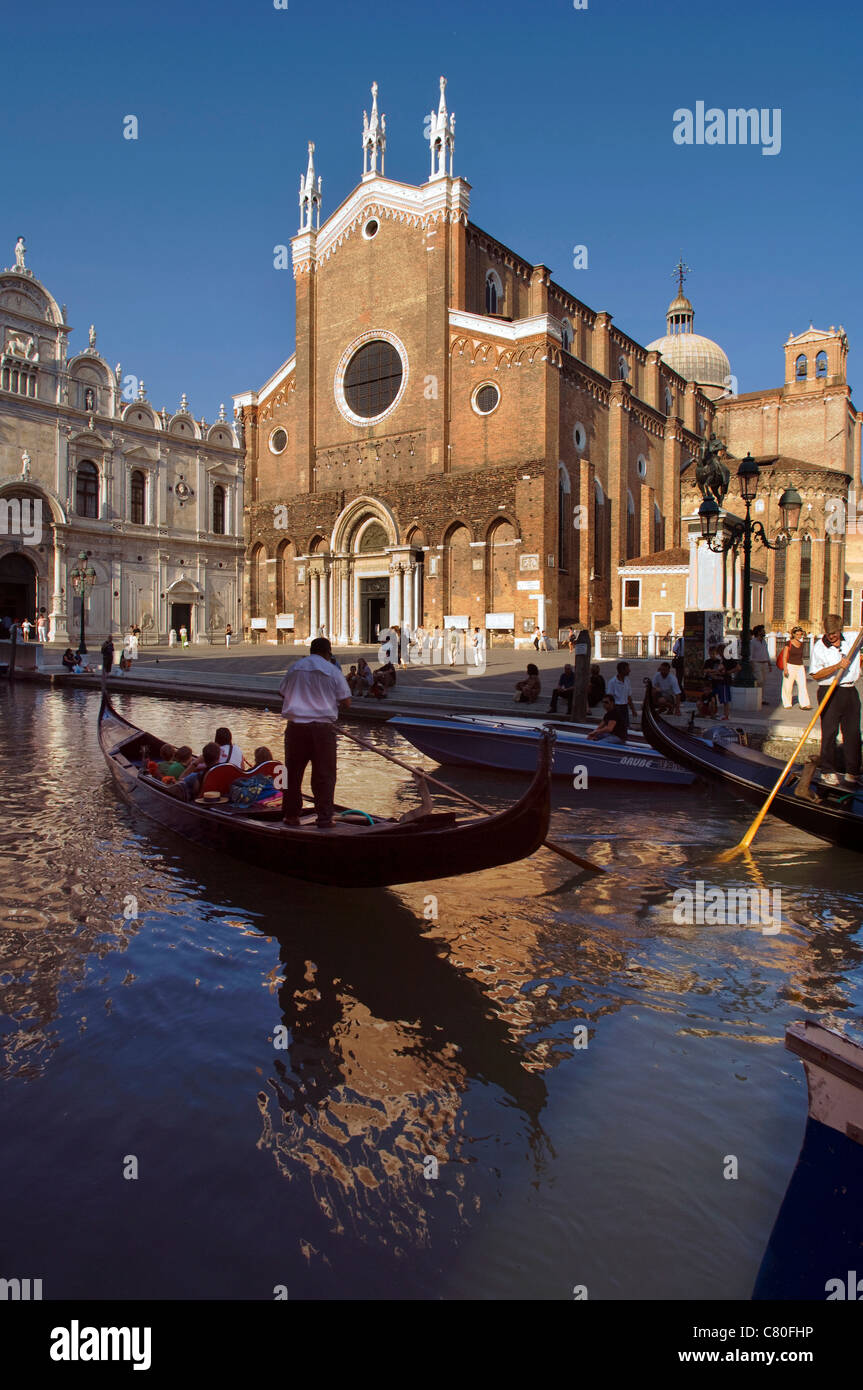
(737, 532)
(82, 579)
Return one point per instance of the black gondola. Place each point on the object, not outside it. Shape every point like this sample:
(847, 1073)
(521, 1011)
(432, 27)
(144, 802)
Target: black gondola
(833, 814)
(350, 855)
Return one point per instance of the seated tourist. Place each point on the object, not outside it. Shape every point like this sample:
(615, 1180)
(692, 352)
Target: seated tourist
(189, 786)
(262, 755)
(528, 690)
(612, 729)
(595, 686)
(386, 675)
(353, 681)
(228, 751)
(564, 690)
(666, 689)
(365, 679)
(167, 764)
(70, 660)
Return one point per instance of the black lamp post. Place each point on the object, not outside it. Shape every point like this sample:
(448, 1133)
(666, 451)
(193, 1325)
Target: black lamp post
(737, 532)
(82, 579)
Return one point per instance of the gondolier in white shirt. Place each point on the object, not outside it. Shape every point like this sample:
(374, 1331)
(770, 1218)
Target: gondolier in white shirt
(829, 657)
(313, 691)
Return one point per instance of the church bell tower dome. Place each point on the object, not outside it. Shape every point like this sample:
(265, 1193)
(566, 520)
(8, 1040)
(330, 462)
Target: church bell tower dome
(694, 357)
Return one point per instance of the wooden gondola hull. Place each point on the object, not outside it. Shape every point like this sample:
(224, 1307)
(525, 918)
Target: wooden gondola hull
(815, 1250)
(837, 818)
(349, 856)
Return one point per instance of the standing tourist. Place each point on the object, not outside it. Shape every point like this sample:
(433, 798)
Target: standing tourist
(25, 629)
(314, 692)
(228, 634)
(107, 655)
(760, 658)
(830, 658)
(42, 626)
(791, 664)
(184, 637)
(678, 662)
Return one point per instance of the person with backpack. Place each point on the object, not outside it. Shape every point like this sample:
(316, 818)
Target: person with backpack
(790, 662)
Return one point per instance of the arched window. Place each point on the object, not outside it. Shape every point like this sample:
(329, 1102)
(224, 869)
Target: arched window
(258, 583)
(459, 577)
(658, 528)
(139, 484)
(821, 364)
(218, 510)
(805, 578)
(631, 528)
(566, 335)
(801, 367)
(493, 293)
(87, 489)
(601, 531)
(564, 510)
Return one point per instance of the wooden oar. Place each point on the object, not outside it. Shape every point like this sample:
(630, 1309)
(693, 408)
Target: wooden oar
(754, 827)
(420, 772)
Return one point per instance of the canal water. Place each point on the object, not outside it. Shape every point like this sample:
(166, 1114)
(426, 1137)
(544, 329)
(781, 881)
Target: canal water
(431, 1127)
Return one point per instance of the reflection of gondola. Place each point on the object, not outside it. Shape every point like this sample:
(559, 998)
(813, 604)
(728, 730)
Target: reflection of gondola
(350, 855)
(815, 1247)
(834, 815)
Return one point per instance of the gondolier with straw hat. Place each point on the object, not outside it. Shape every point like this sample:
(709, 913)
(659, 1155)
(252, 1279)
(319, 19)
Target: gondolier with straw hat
(829, 658)
(313, 693)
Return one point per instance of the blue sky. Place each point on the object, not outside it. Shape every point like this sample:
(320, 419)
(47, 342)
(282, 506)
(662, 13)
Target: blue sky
(564, 123)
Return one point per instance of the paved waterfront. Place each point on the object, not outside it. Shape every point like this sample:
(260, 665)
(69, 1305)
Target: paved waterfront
(250, 674)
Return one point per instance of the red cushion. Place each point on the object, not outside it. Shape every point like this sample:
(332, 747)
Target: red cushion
(219, 779)
(263, 769)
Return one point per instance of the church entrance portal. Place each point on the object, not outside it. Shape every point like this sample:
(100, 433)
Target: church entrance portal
(374, 608)
(181, 616)
(17, 588)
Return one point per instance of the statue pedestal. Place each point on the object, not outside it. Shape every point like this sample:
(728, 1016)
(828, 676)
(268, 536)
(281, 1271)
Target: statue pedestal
(746, 697)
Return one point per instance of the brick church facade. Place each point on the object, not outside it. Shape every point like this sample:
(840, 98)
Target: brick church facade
(456, 437)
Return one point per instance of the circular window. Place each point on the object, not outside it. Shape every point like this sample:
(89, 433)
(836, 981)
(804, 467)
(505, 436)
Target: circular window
(371, 378)
(579, 435)
(486, 399)
(371, 228)
(278, 441)
(641, 465)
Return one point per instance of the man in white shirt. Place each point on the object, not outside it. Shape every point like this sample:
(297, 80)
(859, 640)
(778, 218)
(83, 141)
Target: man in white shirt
(667, 688)
(314, 691)
(829, 657)
(620, 690)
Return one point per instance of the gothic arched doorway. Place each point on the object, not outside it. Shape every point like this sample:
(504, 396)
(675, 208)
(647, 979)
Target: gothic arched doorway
(17, 588)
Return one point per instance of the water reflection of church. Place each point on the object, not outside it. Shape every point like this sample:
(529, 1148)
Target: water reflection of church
(155, 499)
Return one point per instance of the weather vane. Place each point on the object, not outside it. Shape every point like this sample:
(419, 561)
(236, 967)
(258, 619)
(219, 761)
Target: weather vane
(680, 271)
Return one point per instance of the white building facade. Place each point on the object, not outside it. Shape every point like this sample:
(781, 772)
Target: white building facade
(155, 500)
